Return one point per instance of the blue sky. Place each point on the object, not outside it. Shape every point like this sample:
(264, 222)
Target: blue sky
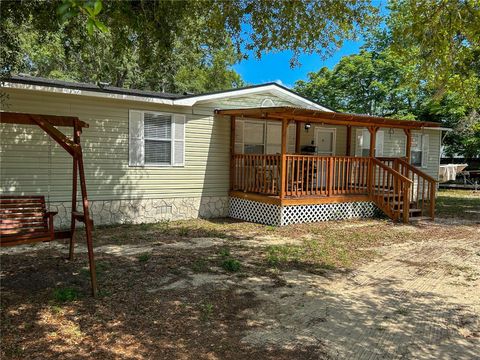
(276, 66)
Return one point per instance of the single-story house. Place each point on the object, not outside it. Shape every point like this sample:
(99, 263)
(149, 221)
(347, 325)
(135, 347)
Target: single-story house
(261, 153)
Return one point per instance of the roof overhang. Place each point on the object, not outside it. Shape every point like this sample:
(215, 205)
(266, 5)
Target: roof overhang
(275, 89)
(325, 117)
(90, 93)
(90, 90)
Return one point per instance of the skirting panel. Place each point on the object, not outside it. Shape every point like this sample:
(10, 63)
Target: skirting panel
(254, 211)
(324, 212)
(276, 215)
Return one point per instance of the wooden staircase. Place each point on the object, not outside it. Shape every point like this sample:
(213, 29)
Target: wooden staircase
(400, 190)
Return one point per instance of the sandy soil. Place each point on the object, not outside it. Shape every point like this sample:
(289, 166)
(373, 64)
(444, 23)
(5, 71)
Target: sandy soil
(418, 298)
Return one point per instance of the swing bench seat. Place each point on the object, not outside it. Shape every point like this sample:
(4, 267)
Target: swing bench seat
(24, 220)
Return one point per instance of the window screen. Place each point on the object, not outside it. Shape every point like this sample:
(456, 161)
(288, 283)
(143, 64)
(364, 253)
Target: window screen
(158, 138)
(416, 150)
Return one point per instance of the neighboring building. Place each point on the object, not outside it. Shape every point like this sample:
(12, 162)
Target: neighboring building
(154, 156)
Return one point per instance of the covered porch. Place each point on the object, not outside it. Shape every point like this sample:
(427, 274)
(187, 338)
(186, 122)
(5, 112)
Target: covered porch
(289, 169)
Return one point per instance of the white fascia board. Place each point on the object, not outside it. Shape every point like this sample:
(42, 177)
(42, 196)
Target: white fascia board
(439, 128)
(191, 101)
(59, 90)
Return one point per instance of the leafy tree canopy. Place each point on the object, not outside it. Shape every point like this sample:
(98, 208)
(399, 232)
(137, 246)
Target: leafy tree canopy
(377, 84)
(167, 45)
(424, 64)
(441, 40)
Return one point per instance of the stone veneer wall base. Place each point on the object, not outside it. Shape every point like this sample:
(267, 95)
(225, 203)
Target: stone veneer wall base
(137, 211)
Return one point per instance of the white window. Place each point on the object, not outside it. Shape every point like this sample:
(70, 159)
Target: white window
(156, 139)
(362, 147)
(254, 137)
(419, 150)
(262, 137)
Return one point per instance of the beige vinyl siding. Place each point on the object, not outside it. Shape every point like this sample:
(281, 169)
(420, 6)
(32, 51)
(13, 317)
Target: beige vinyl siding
(27, 169)
(395, 142)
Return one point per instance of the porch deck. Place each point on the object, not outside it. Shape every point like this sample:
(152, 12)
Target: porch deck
(397, 188)
(289, 178)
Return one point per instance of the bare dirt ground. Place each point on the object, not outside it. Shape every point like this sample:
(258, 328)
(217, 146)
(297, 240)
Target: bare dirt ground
(366, 289)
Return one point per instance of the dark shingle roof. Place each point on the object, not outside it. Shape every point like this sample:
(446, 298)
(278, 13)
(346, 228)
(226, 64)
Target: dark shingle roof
(33, 80)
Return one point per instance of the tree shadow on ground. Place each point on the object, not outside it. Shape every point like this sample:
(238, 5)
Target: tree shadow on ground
(160, 305)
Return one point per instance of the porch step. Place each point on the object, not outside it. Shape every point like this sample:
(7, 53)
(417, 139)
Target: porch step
(420, 218)
(414, 211)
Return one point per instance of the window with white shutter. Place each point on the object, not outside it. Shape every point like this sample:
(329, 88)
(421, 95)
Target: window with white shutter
(156, 139)
(419, 150)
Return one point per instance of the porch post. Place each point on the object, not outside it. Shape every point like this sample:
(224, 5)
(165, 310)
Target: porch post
(349, 141)
(408, 147)
(283, 168)
(373, 138)
(298, 129)
(232, 152)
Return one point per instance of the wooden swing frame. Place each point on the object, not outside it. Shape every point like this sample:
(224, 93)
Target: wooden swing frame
(48, 124)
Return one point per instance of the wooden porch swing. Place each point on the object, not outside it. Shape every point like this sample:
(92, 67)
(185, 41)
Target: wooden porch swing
(25, 219)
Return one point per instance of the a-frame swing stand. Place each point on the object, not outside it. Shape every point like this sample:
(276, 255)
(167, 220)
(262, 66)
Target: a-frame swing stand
(47, 123)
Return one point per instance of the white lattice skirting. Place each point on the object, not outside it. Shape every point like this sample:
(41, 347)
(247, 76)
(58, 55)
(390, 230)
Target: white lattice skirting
(277, 215)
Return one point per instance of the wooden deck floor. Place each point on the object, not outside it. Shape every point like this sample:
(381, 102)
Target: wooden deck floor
(299, 200)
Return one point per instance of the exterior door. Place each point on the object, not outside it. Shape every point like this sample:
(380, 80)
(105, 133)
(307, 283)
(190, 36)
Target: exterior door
(325, 141)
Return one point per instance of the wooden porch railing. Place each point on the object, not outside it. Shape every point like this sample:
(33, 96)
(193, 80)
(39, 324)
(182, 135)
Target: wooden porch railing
(397, 188)
(306, 175)
(389, 190)
(309, 175)
(422, 191)
(256, 173)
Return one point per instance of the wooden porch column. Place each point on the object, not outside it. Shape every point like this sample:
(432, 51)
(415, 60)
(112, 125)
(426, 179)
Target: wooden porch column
(408, 148)
(283, 167)
(373, 138)
(348, 151)
(298, 129)
(232, 152)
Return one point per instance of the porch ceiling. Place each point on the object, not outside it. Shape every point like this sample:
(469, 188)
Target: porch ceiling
(317, 116)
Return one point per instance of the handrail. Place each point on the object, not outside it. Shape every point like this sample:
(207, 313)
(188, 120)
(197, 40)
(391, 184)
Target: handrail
(390, 190)
(416, 171)
(402, 177)
(423, 191)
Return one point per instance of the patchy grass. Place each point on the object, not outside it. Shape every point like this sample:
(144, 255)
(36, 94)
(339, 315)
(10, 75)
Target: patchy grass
(185, 298)
(317, 254)
(200, 265)
(231, 265)
(206, 310)
(459, 204)
(144, 257)
(65, 294)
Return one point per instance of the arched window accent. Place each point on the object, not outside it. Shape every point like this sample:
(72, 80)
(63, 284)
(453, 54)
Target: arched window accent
(267, 102)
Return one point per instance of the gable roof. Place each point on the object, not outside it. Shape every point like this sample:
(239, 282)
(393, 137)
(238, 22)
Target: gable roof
(271, 87)
(87, 89)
